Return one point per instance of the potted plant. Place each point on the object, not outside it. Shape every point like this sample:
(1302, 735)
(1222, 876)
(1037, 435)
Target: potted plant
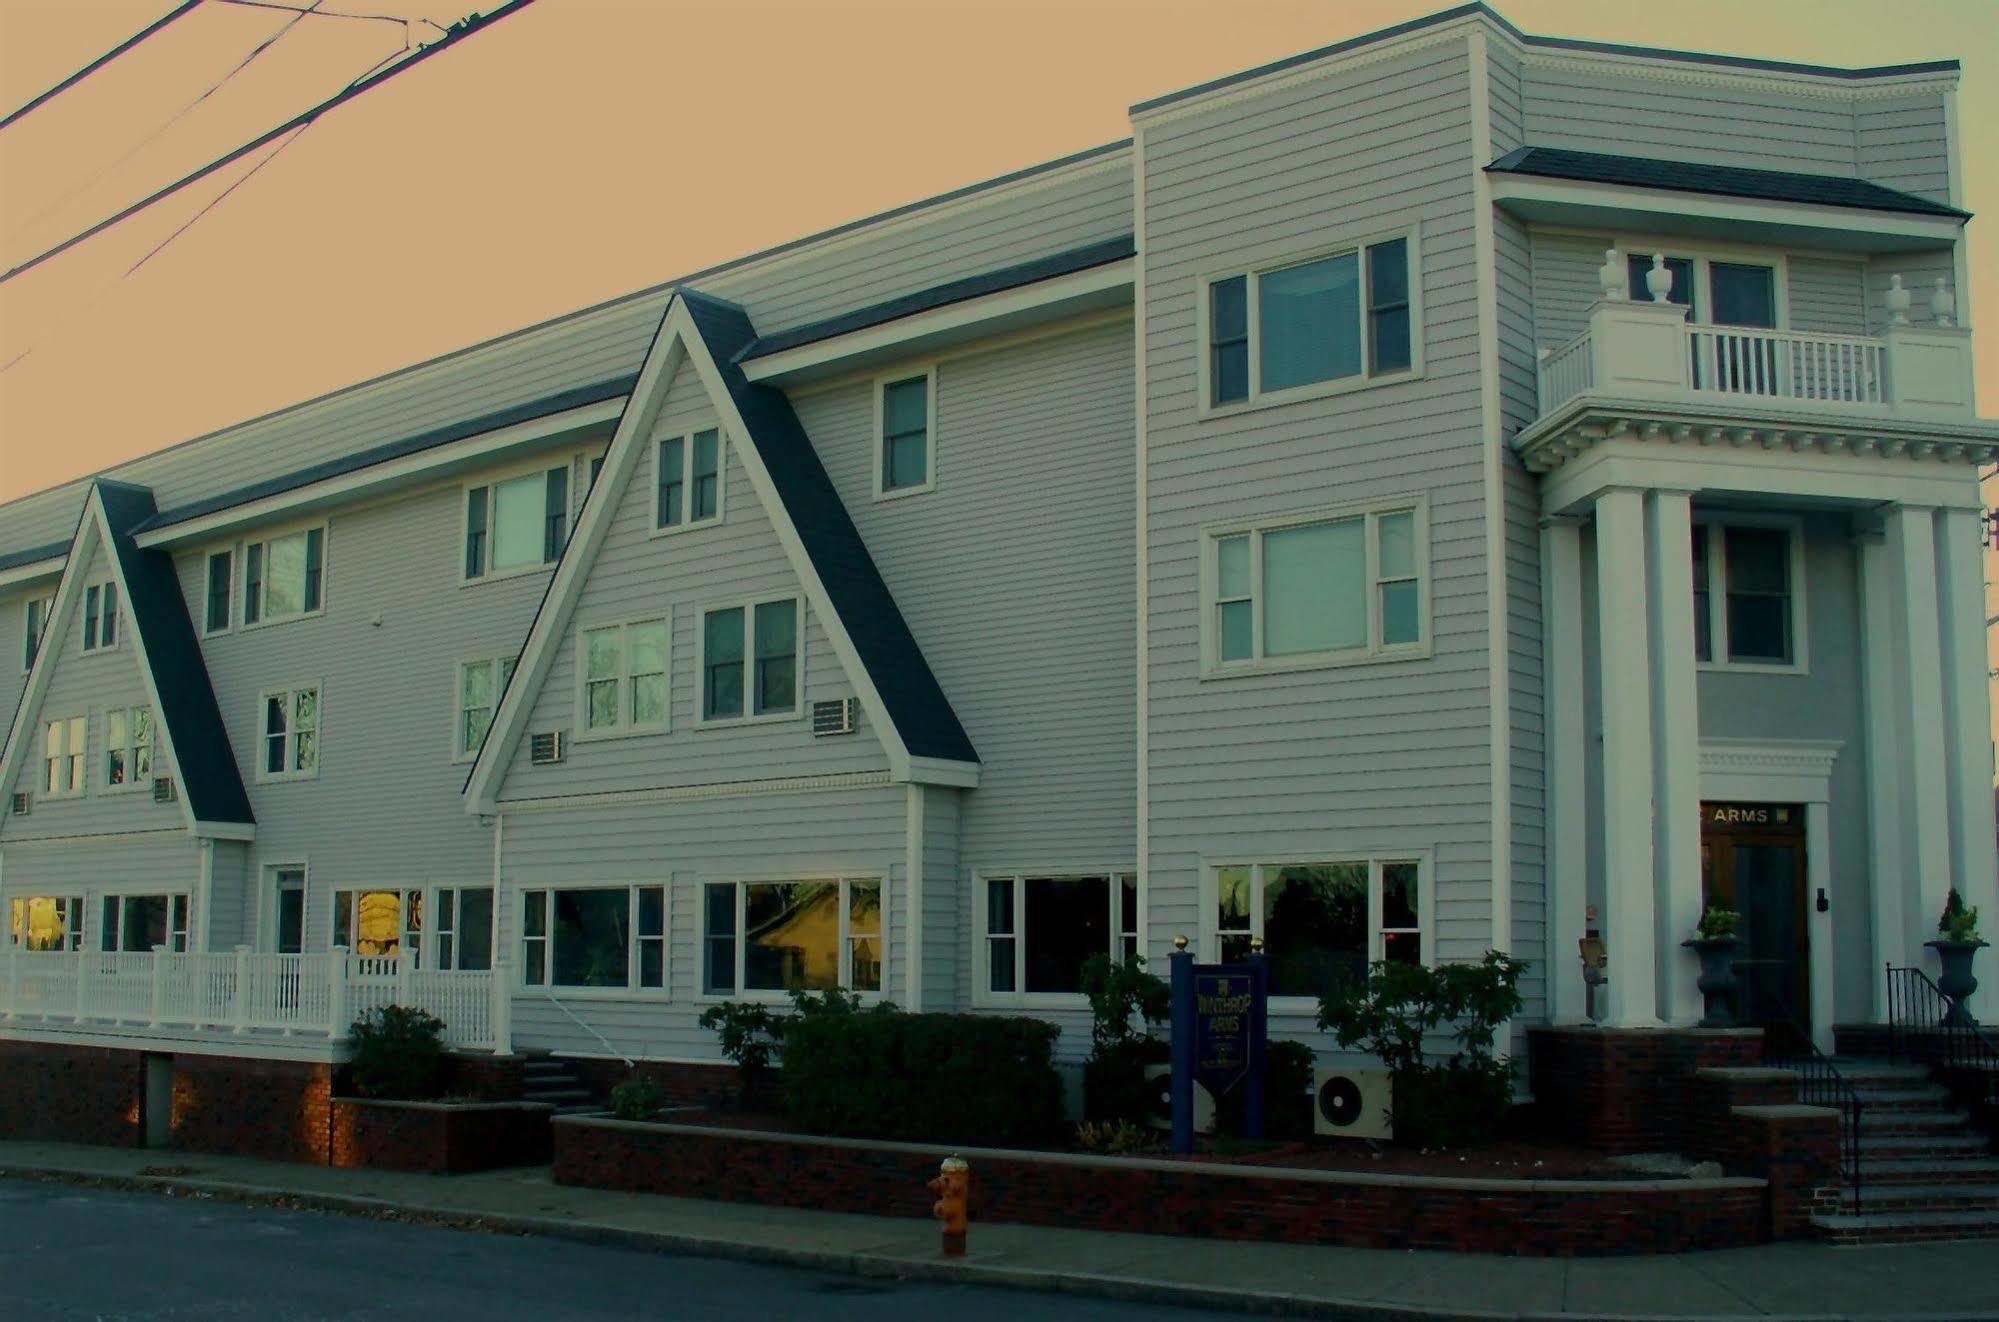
(1714, 941)
(1956, 943)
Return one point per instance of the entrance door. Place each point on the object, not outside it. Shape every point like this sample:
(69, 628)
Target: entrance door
(1753, 861)
(289, 884)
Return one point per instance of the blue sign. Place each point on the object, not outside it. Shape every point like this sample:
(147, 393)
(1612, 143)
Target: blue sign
(1224, 1005)
(1220, 1028)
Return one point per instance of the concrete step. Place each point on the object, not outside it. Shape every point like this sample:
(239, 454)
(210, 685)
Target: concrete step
(1874, 1122)
(1857, 1070)
(1933, 1098)
(557, 1096)
(1946, 1197)
(1928, 1171)
(1905, 1227)
(1932, 1146)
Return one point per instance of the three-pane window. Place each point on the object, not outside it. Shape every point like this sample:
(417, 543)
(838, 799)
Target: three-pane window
(1344, 587)
(139, 923)
(1347, 316)
(283, 577)
(902, 440)
(47, 922)
(220, 581)
(623, 669)
(100, 616)
(128, 746)
(749, 660)
(375, 924)
(604, 937)
(519, 523)
(480, 684)
(786, 936)
(688, 490)
(1746, 603)
(65, 743)
(1321, 924)
(290, 731)
(1040, 931)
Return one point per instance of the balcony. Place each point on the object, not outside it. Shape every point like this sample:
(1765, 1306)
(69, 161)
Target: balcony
(242, 998)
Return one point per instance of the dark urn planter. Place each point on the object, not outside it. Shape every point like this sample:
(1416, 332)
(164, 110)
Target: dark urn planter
(1954, 978)
(1717, 980)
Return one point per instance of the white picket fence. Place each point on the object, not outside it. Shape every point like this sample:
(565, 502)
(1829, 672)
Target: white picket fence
(247, 992)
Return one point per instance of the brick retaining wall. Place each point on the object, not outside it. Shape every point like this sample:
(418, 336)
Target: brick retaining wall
(439, 1138)
(1625, 1090)
(274, 1109)
(71, 1094)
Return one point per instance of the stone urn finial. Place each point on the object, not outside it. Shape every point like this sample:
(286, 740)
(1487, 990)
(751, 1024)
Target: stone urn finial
(1943, 303)
(1897, 299)
(1610, 276)
(1659, 281)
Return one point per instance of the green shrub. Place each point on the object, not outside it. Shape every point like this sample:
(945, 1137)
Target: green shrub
(1117, 1138)
(1958, 922)
(934, 1078)
(636, 1098)
(1287, 1090)
(1718, 924)
(1461, 1098)
(398, 1054)
(749, 1033)
(1125, 1001)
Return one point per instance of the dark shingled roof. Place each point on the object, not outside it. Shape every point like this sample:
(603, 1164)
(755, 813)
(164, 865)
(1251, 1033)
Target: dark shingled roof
(156, 609)
(956, 291)
(915, 700)
(1720, 180)
(15, 559)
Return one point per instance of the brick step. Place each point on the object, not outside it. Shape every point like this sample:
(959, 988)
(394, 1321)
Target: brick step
(1905, 1227)
(1947, 1197)
(1928, 1170)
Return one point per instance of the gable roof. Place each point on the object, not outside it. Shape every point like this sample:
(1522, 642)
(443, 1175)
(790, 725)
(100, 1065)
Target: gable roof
(1719, 180)
(905, 704)
(169, 658)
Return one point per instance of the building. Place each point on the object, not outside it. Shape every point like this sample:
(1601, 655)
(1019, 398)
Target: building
(1451, 490)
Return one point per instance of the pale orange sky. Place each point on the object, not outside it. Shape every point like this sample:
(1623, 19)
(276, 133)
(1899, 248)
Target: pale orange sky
(583, 148)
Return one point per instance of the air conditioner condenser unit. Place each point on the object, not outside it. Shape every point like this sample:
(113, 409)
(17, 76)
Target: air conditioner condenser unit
(1350, 1103)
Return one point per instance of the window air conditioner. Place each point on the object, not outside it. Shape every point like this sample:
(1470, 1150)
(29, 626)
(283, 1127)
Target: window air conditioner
(546, 748)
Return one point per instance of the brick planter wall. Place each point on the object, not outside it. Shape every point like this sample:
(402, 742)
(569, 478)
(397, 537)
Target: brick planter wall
(439, 1138)
(1533, 1218)
(1625, 1090)
(680, 1084)
(275, 1109)
(69, 1094)
(488, 1078)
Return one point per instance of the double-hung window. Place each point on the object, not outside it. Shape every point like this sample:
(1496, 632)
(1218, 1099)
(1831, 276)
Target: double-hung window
(376, 924)
(1323, 923)
(749, 660)
(1319, 588)
(463, 928)
(904, 409)
(480, 684)
(623, 669)
(1336, 321)
(35, 621)
(599, 937)
(219, 577)
(1038, 931)
(47, 922)
(284, 577)
(100, 616)
(783, 936)
(65, 743)
(688, 487)
(517, 524)
(290, 733)
(128, 746)
(136, 924)
(1748, 595)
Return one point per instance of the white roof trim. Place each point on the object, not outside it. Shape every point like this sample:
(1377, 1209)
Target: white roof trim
(1589, 205)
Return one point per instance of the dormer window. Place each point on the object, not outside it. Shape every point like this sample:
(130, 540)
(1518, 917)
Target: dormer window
(284, 577)
(516, 525)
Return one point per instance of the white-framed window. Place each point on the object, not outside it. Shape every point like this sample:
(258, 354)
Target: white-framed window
(748, 660)
(517, 524)
(128, 747)
(1036, 931)
(377, 923)
(1342, 318)
(284, 577)
(1322, 921)
(46, 922)
(219, 585)
(100, 617)
(462, 924)
(771, 938)
(288, 727)
(905, 433)
(687, 485)
(286, 925)
(136, 924)
(1316, 588)
(1749, 594)
(34, 622)
(621, 675)
(65, 745)
(1718, 287)
(479, 686)
(594, 938)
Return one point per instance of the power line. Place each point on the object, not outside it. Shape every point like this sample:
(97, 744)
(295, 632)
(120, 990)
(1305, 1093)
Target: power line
(317, 12)
(452, 35)
(104, 59)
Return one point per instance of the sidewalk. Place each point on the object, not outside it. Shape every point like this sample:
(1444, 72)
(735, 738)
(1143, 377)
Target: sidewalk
(1790, 1280)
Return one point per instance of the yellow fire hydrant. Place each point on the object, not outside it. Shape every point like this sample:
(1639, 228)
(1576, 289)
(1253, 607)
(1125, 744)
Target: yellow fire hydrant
(953, 1187)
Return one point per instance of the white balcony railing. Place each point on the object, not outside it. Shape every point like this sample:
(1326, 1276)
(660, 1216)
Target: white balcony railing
(1638, 349)
(242, 992)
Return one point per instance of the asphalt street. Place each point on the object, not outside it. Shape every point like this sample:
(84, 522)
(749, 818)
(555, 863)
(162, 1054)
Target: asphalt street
(68, 1252)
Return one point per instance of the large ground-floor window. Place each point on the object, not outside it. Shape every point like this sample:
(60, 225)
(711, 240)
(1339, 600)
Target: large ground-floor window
(139, 923)
(376, 924)
(47, 922)
(784, 936)
(1037, 932)
(1322, 923)
(604, 937)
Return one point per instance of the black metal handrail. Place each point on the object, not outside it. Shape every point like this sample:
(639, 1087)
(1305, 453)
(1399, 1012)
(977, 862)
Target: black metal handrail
(1926, 1025)
(1821, 1084)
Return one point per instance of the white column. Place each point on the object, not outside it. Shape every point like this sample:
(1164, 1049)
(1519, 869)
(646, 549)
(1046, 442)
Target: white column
(1919, 695)
(1625, 659)
(1967, 717)
(1565, 794)
(1890, 873)
(1676, 791)
(1818, 926)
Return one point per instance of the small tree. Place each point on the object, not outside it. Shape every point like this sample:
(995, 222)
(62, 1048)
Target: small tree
(398, 1054)
(748, 1033)
(636, 1097)
(1125, 1001)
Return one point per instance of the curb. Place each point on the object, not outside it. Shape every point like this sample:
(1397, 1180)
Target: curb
(875, 1266)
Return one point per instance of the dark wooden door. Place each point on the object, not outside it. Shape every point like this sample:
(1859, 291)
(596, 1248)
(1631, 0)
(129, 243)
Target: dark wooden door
(1753, 861)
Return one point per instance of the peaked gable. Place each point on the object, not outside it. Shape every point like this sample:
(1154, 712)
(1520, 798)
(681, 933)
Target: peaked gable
(190, 736)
